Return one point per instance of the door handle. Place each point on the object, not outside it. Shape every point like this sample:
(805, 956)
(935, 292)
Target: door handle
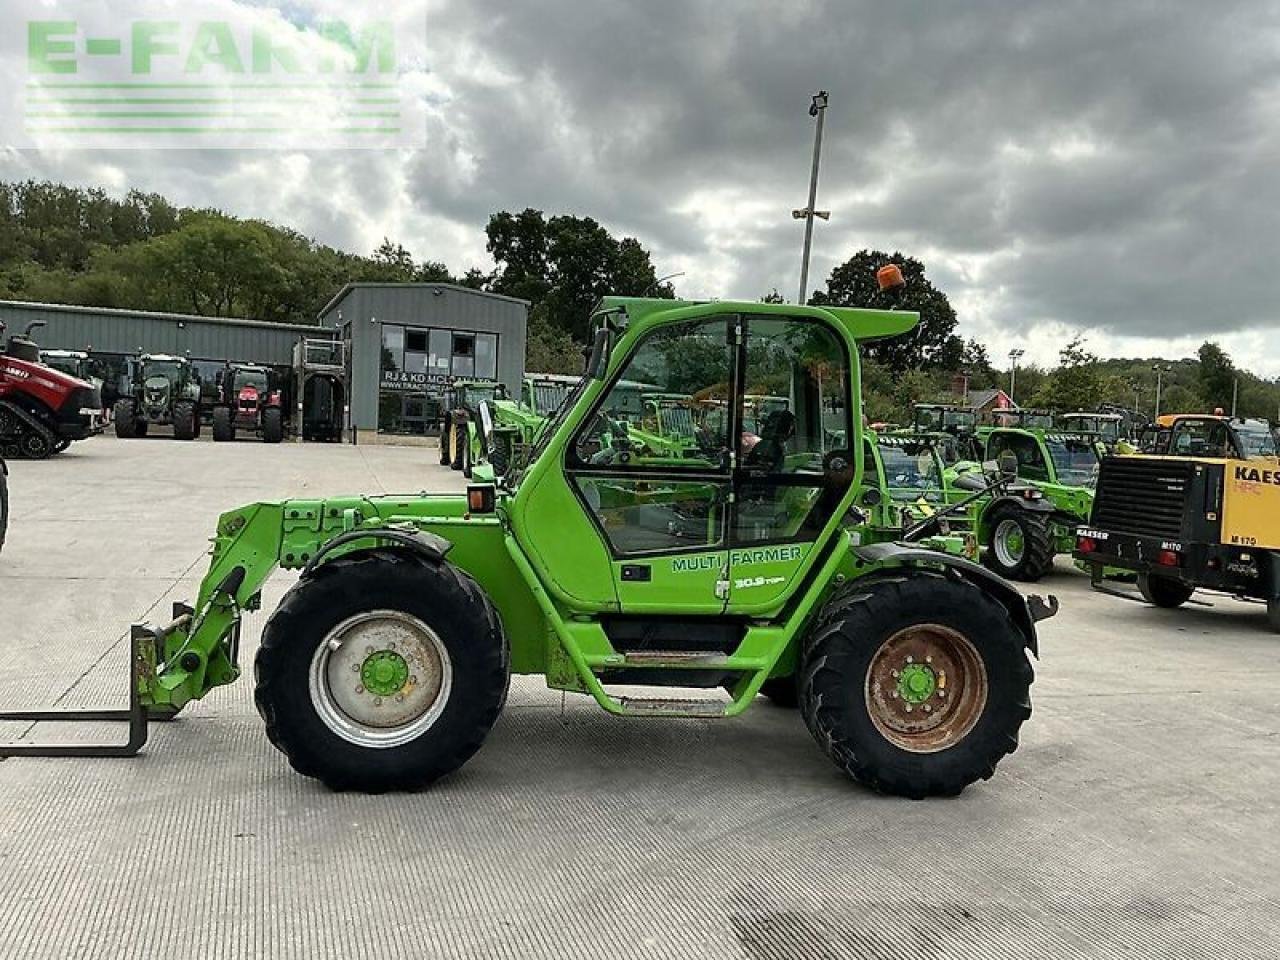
(636, 573)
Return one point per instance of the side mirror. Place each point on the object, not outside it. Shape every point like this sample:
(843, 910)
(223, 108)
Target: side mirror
(486, 419)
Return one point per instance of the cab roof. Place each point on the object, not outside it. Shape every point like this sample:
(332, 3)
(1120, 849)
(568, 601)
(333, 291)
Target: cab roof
(862, 323)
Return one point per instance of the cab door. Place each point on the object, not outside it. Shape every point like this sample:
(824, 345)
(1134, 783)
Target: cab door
(664, 515)
(791, 477)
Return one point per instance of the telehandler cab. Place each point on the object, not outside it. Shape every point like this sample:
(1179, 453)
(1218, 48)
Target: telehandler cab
(388, 662)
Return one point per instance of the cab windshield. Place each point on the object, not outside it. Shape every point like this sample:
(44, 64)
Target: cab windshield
(252, 378)
(1256, 440)
(169, 369)
(910, 470)
(1074, 461)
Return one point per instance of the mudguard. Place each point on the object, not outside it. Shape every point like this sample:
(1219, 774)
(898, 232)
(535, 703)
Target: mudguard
(429, 545)
(1025, 611)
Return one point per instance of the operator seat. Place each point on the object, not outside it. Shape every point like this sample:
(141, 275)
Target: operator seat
(771, 452)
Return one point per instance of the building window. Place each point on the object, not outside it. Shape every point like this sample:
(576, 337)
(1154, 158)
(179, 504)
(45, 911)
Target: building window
(417, 365)
(487, 356)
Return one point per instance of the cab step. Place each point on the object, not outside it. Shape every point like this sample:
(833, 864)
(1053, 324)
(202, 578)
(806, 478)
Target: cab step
(663, 707)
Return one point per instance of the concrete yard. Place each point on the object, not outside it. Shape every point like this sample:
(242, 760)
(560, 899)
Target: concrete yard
(1138, 819)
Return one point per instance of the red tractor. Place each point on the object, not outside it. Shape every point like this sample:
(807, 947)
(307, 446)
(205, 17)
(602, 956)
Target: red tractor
(248, 400)
(42, 410)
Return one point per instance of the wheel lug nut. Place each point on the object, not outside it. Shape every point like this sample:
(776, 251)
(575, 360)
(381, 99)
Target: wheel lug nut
(355, 668)
(359, 688)
(893, 694)
(377, 701)
(928, 659)
(928, 709)
(908, 708)
(911, 660)
(896, 674)
(941, 694)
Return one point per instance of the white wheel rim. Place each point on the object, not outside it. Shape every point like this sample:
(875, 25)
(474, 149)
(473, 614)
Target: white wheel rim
(383, 718)
(1005, 531)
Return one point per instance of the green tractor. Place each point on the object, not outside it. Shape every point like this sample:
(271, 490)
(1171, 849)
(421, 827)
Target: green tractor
(1035, 522)
(161, 391)
(958, 425)
(903, 486)
(609, 572)
(516, 424)
(1109, 428)
(462, 436)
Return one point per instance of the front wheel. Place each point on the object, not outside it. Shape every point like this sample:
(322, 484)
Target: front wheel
(383, 671)
(1164, 591)
(915, 685)
(273, 425)
(224, 425)
(1019, 545)
(184, 421)
(125, 420)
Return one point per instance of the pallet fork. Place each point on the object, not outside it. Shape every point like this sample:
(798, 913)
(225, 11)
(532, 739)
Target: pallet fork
(146, 649)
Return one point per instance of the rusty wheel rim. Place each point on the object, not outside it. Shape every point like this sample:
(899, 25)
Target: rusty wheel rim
(926, 688)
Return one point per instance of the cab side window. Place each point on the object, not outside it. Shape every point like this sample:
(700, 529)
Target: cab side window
(1031, 463)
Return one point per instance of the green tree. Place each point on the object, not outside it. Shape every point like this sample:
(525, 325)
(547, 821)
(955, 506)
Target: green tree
(1217, 376)
(1075, 384)
(932, 343)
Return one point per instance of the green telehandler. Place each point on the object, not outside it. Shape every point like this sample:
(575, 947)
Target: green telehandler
(611, 573)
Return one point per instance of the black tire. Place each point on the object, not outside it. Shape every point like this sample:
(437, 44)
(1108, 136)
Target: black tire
(466, 458)
(224, 425)
(1273, 605)
(140, 428)
(446, 434)
(37, 445)
(1036, 558)
(184, 420)
(126, 422)
(440, 596)
(858, 627)
(459, 445)
(273, 425)
(500, 456)
(4, 504)
(1164, 592)
(783, 691)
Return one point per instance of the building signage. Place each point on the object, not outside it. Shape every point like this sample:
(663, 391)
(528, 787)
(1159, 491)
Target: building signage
(406, 382)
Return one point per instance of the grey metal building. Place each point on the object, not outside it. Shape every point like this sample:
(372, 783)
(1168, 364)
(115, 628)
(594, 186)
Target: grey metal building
(126, 332)
(408, 340)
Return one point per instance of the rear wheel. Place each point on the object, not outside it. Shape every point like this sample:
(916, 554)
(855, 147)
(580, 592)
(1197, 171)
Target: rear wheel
(224, 425)
(140, 428)
(383, 671)
(446, 434)
(273, 425)
(1273, 605)
(466, 456)
(1164, 591)
(4, 504)
(915, 685)
(184, 421)
(125, 420)
(459, 445)
(1019, 546)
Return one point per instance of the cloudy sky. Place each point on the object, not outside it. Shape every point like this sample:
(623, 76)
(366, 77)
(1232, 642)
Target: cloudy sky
(1059, 166)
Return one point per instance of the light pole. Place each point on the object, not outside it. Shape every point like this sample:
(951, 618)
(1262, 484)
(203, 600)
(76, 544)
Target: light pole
(1160, 370)
(1014, 357)
(819, 110)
